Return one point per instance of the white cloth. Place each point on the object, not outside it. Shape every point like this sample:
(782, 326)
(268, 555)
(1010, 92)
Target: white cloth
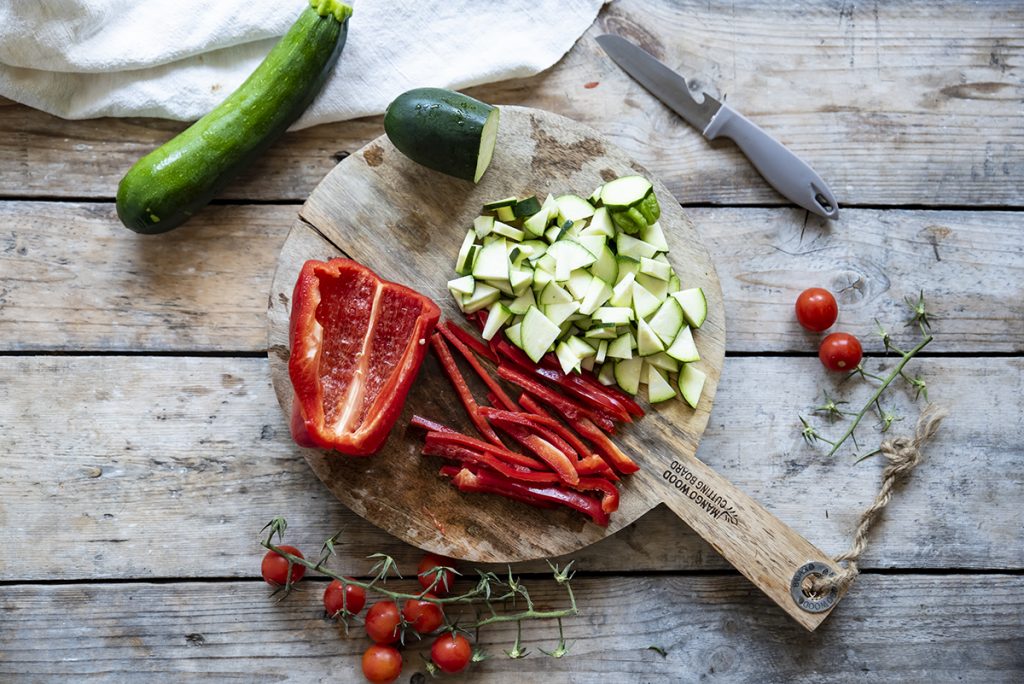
(177, 59)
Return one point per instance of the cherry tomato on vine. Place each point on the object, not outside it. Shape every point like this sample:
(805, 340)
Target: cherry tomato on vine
(338, 597)
(424, 616)
(382, 664)
(275, 567)
(840, 352)
(816, 309)
(382, 622)
(451, 653)
(447, 579)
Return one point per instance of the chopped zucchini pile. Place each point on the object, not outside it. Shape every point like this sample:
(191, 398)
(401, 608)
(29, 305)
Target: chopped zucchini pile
(589, 280)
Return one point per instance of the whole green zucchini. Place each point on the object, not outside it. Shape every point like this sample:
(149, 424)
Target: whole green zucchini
(170, 184)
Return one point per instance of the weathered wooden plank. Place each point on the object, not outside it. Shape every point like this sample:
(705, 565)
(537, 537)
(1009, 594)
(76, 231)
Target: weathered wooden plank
(71, 278)
(893, 103)
(129, 466)
(904, 627)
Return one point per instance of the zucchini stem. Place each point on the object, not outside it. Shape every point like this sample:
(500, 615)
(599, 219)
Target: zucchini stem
(339, 10)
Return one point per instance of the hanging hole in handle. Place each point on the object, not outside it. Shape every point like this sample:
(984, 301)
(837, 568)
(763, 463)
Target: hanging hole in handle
(824, 203)
(801, 588)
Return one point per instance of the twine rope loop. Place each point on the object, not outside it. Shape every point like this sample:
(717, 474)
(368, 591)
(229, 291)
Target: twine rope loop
(903, 455)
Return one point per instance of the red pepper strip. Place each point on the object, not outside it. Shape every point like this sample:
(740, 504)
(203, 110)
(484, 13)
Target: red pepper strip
(547, 452)
(502, 453)
(450, 471)
(533, 409)
(572, 411)
(488, 482)
(574, 384)
(585, 466)
(535, 423)
(470, 341)
(461, 454)
(592, 464)
(610, 494)
(491, 383)
(586, 378)
(448, 363)
(523, 363)
(615, 393)
(595, 465)
(428, 425)
(611, 453)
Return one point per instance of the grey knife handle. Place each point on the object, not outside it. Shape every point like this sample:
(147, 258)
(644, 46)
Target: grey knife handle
(785, 171)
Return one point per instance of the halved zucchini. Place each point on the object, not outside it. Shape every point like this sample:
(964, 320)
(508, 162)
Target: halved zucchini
(443, 130)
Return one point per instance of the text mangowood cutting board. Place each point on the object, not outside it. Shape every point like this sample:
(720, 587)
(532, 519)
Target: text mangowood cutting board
(406, 222)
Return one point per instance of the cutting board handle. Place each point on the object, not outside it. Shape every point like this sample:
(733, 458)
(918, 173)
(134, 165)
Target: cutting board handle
(767, 551)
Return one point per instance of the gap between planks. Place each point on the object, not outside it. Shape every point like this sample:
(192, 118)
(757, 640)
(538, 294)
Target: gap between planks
(526, 575)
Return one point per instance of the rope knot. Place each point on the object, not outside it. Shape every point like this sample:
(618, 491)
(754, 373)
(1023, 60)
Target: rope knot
(903, 455)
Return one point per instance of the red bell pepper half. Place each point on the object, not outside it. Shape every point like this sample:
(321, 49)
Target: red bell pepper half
(488, 482)
(357, 343)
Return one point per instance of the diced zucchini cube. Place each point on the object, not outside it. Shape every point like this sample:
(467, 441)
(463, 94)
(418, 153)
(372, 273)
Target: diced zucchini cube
(658, 388)
(462, 286)
(647, 340)
(621, 347)
(683, 347)
(668, 320)
(483, 296)
(695, 305)
(538, 334)
(483, 226)
(655, 269)
(691, 384)
(644, 303)
(497, 316)
(627, 374)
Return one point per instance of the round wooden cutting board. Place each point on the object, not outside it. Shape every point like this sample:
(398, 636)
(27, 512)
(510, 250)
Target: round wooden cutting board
(406, 222)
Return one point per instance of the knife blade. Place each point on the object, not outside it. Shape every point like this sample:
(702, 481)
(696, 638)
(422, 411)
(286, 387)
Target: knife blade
(784, 171)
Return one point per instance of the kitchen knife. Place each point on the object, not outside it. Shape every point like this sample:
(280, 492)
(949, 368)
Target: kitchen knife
(785, 171)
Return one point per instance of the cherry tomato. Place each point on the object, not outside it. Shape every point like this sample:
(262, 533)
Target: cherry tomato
(451, 653)
(816, 309)
(382, 622)
(444, 584)
(382, 664)
(275, 567)
(338, 597)
(840, 352)
(424, 616)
